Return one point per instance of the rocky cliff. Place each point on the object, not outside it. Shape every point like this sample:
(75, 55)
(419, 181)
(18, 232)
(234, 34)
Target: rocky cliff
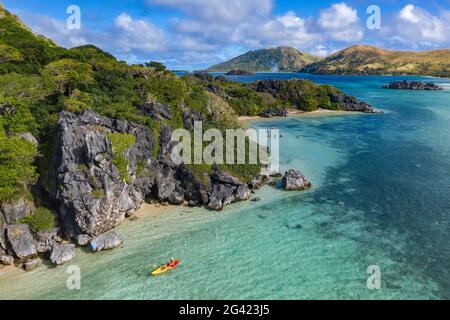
(95, 195)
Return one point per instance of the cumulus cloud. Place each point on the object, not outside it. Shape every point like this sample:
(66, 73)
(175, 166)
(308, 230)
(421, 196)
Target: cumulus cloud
(287, 30)
(417, 24)
(219, 11)
(141, 35)
(341, 23)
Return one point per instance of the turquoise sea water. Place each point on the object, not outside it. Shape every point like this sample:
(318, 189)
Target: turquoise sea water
(392, 171)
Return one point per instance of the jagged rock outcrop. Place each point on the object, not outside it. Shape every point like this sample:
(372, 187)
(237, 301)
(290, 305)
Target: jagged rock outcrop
(62, 253)
(294, 180)
(413, 85)
(93, 196)
(22, 241)
(274, 112)
(46, 240)
(348, 103)
(106, 241)
(3, 226)
(156, 110)
(226, 189)
(292, 91)
(15, 211)
(32, 264)
(239, 72)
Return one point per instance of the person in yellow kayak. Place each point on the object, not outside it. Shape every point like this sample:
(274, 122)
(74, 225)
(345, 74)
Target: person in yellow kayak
(171, 263)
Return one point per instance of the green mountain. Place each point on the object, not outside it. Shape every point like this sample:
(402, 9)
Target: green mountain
(363, 59)
(283, 59)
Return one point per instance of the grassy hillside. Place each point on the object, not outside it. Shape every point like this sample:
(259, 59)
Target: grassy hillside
(363, 59)
(283, 59)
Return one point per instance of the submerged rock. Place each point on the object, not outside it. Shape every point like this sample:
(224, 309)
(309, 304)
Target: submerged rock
(295, 181)
(22, 241)
(62, 253)
(106, 241)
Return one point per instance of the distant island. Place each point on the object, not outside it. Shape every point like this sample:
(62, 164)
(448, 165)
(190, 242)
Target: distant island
(239, 72)
(368, 60)
(413, 85)
(356, 60)
(282, 59)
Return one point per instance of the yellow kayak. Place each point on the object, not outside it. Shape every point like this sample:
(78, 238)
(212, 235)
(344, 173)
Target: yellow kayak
(165, 268)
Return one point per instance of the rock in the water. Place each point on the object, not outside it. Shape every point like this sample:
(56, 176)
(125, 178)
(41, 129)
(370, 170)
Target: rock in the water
(106, 241)
(22, 241)
(243, 193)
(83, 240)
(413, 85)
(62, 253)
(32, 264)
(17, 210)
(6, 260)
(257, 182)
(221, 196)
(294, 180)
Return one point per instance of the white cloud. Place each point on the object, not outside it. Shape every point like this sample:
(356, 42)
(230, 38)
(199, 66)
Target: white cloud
(287, 30)
(219, 11)
(341, 23)
(419, 25)
(138, 35)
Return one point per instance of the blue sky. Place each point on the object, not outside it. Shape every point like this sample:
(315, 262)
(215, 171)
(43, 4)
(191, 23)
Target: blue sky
(193, 34)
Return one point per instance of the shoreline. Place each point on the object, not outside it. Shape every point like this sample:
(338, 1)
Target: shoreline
(298, 113)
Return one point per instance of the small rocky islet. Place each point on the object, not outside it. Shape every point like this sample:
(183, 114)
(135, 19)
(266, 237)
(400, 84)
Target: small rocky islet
(413, 85)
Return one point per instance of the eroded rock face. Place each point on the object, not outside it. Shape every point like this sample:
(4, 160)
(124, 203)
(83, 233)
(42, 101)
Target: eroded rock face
(93, 196)
(295, 181)
(22, 241)
(15, 211)
(62, 253)
(226, 189)
(106, 241)
(3, 226)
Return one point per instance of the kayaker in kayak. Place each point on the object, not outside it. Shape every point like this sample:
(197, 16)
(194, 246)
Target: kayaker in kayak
(171, 263)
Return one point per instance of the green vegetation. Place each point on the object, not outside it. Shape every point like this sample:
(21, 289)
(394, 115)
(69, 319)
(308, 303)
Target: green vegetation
(282, 59)
(121, 143)
(98, 193)
(363, 59)
(39, 79)
(41, 220)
